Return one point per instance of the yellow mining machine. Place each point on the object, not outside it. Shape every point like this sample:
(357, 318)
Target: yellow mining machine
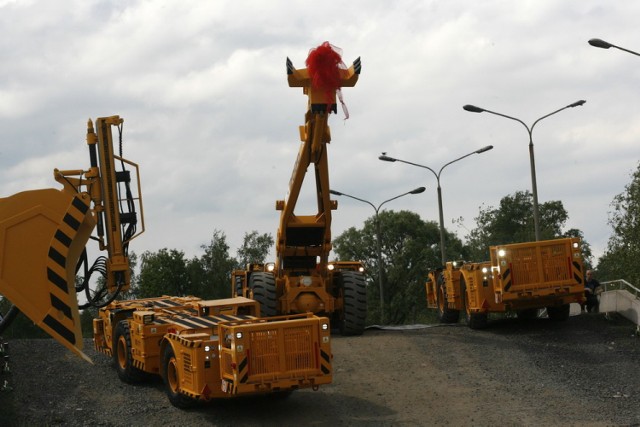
(214, 349)
(302, 279)
(520, 277)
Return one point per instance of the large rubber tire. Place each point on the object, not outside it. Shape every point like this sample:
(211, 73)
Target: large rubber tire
(559, 313)
(354, 308)
(474, 320)
(171, 377)
(122, 356)
(263, 288)
(238, 287)
(445, 314)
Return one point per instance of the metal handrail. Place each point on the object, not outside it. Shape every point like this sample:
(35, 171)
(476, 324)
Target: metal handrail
(620, 284)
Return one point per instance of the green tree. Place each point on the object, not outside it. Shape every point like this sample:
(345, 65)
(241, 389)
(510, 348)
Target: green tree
(255, 248)
(409, 248)
(163, 273)
(133, 263)
(208, 276)
(211, 273)
(512, 222)
(620, 260)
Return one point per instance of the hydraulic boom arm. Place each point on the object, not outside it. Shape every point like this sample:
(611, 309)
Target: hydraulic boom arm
(43, 236)
(303, 239)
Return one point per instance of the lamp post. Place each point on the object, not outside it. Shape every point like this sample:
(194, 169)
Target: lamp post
(386, 158)
(534, 186)
(606, 45)
(378, 236)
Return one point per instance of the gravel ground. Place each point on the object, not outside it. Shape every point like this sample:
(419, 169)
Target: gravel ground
(583, 372)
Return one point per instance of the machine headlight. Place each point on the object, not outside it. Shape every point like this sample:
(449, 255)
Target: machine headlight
(484, 270)
(325, 326)
(271, 266)
(306, 280)
(575, 245)
(331, 267)
(502, 252)
(361, 269)
(239, 335)
(207, 348)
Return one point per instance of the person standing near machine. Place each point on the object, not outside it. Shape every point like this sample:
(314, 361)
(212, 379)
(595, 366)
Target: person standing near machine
(591, 290)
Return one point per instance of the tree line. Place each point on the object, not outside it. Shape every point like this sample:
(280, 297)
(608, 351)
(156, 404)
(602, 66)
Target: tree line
(410, 247)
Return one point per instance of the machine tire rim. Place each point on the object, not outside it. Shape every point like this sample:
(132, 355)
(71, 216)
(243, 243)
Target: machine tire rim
(122, 352)
(172, 375)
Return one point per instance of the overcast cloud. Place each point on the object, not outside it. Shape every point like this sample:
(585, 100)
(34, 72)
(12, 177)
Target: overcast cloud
(212, 123)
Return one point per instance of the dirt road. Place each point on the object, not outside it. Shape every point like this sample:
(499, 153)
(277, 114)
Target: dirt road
(584, 372)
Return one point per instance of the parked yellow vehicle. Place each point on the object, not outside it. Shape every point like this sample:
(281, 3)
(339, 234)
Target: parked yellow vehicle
(214, 349)
(520, 278)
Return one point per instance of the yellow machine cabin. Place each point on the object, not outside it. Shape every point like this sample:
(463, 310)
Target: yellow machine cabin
(520, 278)
(214, 349)
(44, 233)
(302, 279)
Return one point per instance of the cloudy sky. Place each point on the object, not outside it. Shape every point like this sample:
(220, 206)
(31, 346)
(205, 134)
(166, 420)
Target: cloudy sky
(211, 120)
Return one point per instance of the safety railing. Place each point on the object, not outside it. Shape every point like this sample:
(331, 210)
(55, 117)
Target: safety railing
(620, 284)
(630, 309)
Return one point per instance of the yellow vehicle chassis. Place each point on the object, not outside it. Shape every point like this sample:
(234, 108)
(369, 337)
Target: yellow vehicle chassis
(214, 349)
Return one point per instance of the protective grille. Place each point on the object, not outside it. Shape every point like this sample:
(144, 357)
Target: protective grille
(264, 352)
(187, 370)
(296, 344)
(554, 265)
(300, 348)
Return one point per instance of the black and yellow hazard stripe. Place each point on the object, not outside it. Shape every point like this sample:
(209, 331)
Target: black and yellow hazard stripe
(506, 280)
(138, 364)
(165, 303)
(187, 322)
(57, 265)
(576, 269)
(185, 342)
(232, 318)
(243, 370)
(325, 362)
(199, 322)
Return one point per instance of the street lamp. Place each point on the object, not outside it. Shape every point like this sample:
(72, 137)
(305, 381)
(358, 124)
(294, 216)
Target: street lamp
(378, 236)
(534, 186)
(606, 45)
(386, 158)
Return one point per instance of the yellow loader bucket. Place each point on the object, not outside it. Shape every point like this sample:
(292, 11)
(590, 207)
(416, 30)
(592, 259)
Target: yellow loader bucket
(42, 235)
